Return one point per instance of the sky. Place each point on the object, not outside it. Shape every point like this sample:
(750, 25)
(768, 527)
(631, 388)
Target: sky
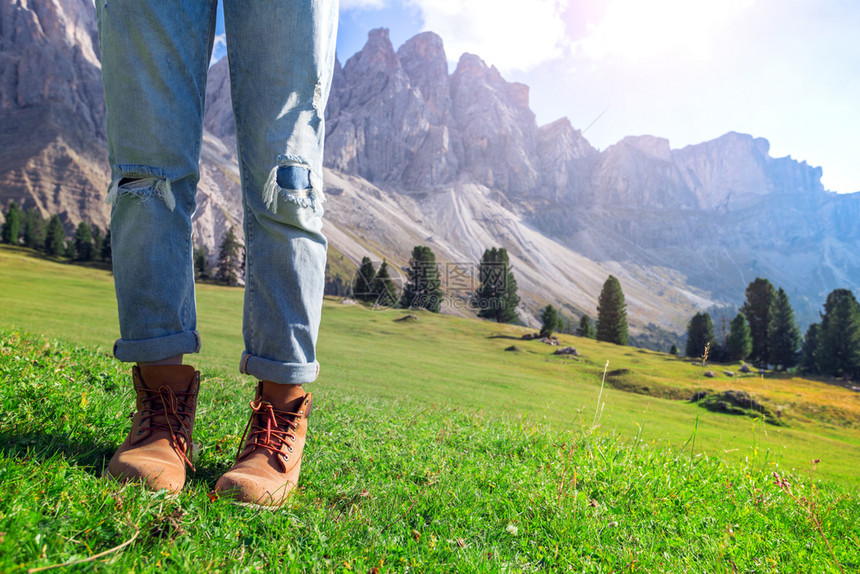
(685, 70)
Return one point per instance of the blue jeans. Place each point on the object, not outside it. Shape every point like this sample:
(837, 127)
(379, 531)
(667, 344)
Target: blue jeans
(155, 56)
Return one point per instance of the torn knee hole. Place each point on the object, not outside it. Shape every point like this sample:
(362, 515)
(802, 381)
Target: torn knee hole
(293, 177)
(142, 186)
(293, 181)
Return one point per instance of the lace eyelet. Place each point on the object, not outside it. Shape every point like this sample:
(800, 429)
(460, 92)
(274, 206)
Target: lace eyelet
(289, 447)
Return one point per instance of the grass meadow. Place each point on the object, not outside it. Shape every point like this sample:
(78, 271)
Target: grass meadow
(431, 449)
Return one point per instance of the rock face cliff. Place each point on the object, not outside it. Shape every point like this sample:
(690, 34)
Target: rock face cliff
(53, 152)
(52, 148)
(415, 155)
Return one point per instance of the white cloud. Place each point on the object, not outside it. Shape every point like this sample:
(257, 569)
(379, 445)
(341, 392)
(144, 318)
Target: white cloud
(361, 5)
(636, 31)
(219, 48)
(509, 34)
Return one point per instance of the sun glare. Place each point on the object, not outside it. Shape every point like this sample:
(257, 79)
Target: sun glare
(638, 31)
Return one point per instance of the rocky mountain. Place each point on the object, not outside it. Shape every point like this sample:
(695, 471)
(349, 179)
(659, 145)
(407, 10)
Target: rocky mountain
(53, 152)
(718, 214)
(52, 149)
(416, 155)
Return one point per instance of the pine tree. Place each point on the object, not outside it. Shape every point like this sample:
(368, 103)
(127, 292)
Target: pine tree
(106, 254)
(551, 321)
(361, 282)
(586, 328)
(201, 262)
(496, 297)
(83, 242)
(55, 237)
(673, 350)
(228, 259)
(700, 334)
(69, 249)
(739, 341)
(383, 287)
(34, 229)
(783, 334)
(838, 352)
(612, 313)
(11, 227)
(97, 241)
(424, 287)
(759, 299)
(809, 351)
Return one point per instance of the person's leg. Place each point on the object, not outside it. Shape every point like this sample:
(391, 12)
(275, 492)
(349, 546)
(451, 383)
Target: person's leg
(281, 60)
(155, 56)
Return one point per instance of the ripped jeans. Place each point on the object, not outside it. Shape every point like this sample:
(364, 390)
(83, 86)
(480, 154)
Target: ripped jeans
(155, 57)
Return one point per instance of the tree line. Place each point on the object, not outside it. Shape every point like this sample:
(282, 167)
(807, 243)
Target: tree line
(495, 297)
(765, 333)
(29, 229)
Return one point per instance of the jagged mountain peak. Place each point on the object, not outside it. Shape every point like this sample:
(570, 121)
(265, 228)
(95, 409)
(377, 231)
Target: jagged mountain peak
(377, 55)
(423, 58)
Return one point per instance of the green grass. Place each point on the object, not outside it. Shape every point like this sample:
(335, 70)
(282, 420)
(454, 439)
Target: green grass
(428, 442)
(392, 484)
(444, 360)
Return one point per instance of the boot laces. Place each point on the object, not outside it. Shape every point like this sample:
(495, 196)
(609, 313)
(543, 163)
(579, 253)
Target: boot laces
(270, 428)
(165, 408)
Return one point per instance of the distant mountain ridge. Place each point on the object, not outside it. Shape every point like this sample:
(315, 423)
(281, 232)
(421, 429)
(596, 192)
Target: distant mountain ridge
(416, 155)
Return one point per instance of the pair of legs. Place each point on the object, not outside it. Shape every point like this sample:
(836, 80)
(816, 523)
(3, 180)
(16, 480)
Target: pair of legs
(155, 57)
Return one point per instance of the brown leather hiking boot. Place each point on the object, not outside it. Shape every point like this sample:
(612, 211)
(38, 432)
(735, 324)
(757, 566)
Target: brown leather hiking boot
(158, 446)
(268, 462)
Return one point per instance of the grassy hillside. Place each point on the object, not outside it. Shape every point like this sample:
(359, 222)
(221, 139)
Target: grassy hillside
(455, 362)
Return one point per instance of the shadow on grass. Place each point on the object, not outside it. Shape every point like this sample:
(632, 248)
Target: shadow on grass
(38, 446)
(507, 337)
(91, 456)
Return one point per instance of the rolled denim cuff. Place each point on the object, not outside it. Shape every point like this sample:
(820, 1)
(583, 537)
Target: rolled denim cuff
(157, 348)
(278, 372)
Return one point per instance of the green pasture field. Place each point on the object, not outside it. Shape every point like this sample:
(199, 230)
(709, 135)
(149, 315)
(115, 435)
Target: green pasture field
(432, 448)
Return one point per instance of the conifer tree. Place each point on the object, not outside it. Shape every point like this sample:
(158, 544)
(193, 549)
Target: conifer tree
(34, 229)
(496, 296)
(228, 259)
(586, 328)
(361, 282)
(612, 313)
(673, 350)
(739, 341)
(383, 287)
(11, 226)
(783, 334)
(809, 351)
(106, 250)
(201, 262)
(700, 334)
(838, 352)
(759, 299)
(83, 242)
(55, 237)
(69, 249)
(423, 289)
(97, 241)
(551, 321)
